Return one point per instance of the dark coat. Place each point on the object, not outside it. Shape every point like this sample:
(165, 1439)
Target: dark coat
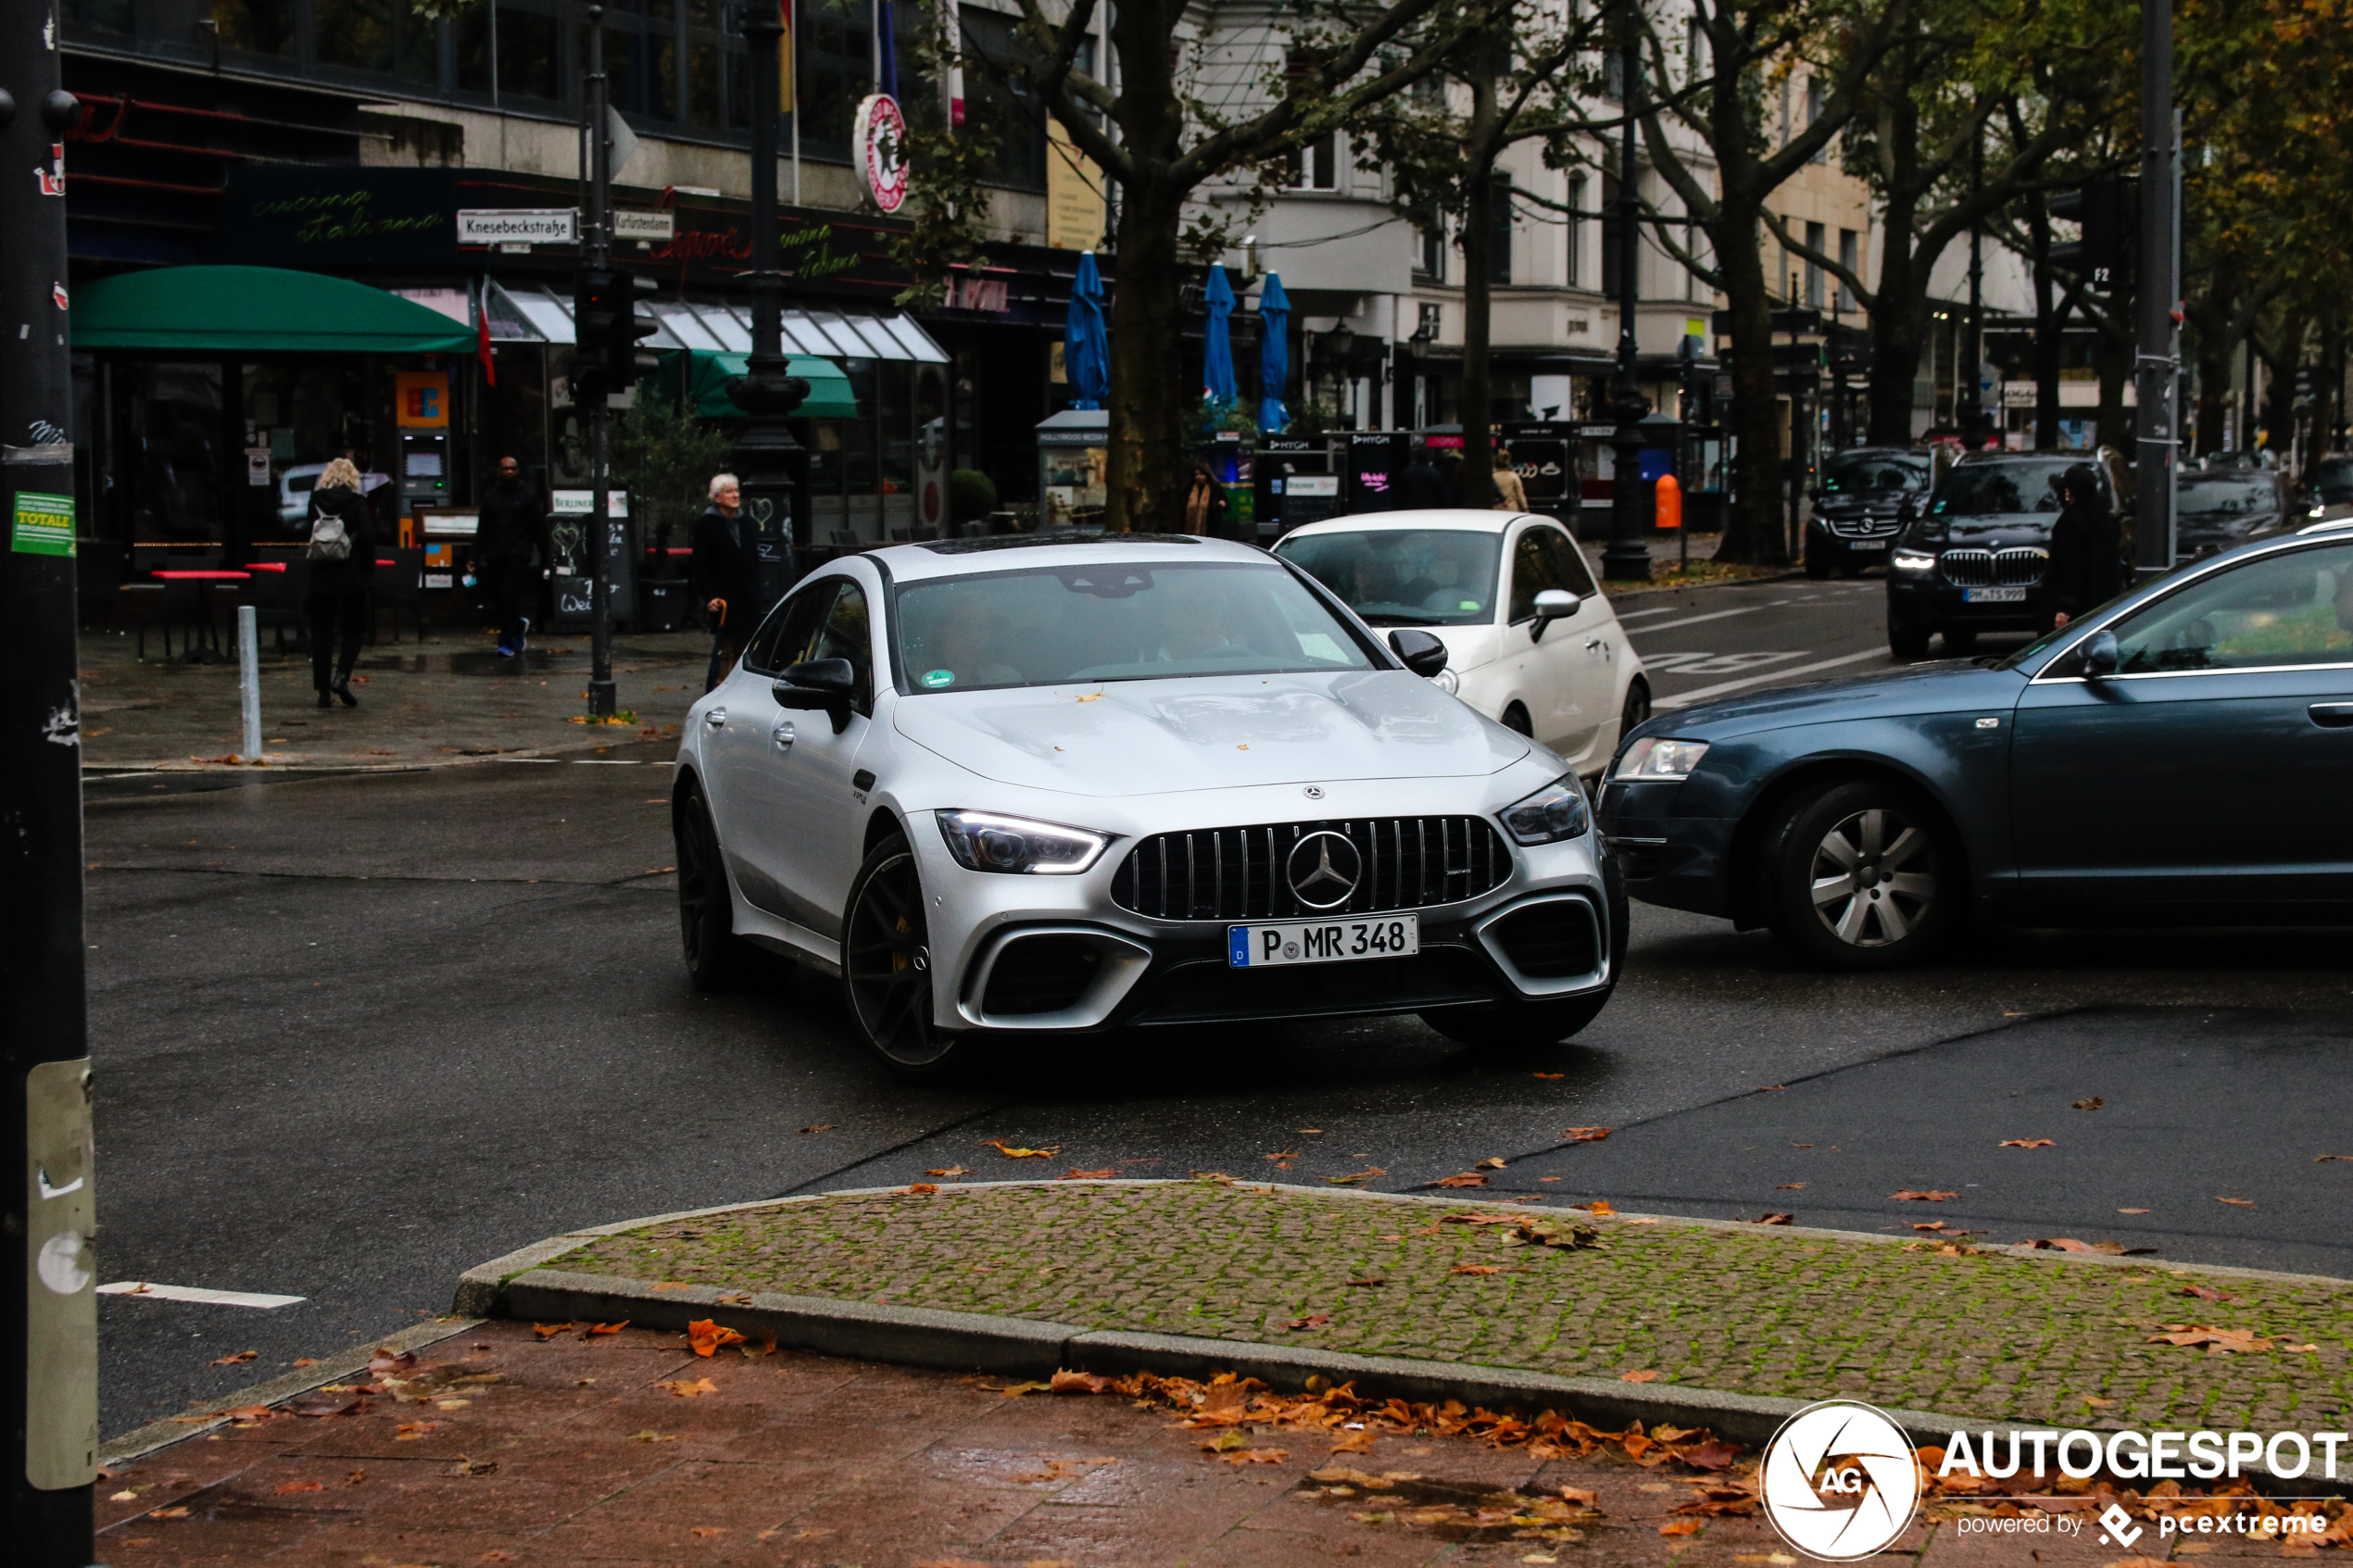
(724, 564)
(355, 573)
(514, 524)
(1419, 487)
(2087, 560)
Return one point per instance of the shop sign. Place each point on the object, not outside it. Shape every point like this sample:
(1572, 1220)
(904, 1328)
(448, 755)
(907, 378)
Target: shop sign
(421, 399)
(258, 467)
(308, 215)
(512, 226)
(880, 144)
(634, 225)
(43, 525)
(577, 502)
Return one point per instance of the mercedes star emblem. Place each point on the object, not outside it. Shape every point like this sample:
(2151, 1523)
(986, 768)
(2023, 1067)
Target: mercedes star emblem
(1314, 792)
(1323, 869)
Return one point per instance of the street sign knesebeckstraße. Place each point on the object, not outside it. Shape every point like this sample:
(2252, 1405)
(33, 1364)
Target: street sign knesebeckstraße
(538, 226)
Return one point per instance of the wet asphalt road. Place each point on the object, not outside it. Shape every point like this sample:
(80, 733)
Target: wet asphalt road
(355, 1035)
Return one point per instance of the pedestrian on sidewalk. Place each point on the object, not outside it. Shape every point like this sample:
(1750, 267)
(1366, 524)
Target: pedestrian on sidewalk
(1204, 501)
(1418, 486)
(1511, 495)
(2087, 550)
(511, 547)
(725, 573)
(343, 564)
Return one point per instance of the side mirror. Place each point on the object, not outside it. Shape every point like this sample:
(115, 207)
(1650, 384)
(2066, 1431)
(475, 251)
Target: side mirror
(1553, 604)
(825, 683)
(1423, 654)
(2099, 655)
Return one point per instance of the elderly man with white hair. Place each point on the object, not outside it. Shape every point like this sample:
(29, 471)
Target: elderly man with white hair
(727, 574)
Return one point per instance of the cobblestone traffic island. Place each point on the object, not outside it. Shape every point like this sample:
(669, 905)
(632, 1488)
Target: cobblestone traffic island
(1994, 1334)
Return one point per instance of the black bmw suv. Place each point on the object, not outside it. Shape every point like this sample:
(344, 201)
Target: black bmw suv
(1859, 507)
(1973, 560)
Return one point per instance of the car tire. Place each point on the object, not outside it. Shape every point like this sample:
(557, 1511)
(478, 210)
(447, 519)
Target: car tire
(1850, 568)
(1861, 875)
(1960, 641)
(1516, 720)
(1509, 1028)
(717, 960)
(1907, 641)
(1818, 564)
(1636, 709)
(885, 966)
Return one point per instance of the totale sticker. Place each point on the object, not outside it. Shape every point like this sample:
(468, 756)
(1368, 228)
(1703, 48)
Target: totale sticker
(43, 525)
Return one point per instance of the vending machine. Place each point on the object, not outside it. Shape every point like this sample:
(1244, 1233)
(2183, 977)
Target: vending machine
(1297, 484)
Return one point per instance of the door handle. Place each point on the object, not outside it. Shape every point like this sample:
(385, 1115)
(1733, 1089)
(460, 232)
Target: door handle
(783, 734)
(716, 719)
(2332, 715)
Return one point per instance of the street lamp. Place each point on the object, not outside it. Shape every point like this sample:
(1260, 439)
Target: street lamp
(1628, 557)
(767, 459)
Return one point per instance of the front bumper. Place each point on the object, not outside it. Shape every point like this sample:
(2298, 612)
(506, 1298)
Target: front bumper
(1927, 600)
(1058, 955)
(1849, 541)
(1675, 861)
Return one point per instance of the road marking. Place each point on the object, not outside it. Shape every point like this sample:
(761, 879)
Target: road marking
(604, 762)
(1638, 614)
(1684, 699)
(526, 759)
(1689, 663)
(195, 1293)
(1693, 621)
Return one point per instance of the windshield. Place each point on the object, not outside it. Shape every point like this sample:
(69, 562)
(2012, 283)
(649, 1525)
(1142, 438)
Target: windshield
(1853, 473)
(2224, 495)
(1421, 577)
(1121, 622)
(2001, 489)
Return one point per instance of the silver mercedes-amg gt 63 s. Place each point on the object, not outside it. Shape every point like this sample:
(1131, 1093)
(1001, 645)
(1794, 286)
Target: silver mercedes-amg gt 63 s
(1055, 783)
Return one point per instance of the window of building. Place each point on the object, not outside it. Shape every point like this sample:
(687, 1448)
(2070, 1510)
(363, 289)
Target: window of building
(1316, 166)
(257, 27)
(995, 101)
(1573, 232)
(1430, 247)
(1850, 251)
(1816, 238)
(1813, 113)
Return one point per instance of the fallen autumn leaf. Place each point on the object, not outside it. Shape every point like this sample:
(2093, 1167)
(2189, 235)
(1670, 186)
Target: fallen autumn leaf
(2028, 1143)
(1587, 1135)
(1909, 1196)
(707, 1336)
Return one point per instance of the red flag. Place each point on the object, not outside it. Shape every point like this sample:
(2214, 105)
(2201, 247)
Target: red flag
(482, 341)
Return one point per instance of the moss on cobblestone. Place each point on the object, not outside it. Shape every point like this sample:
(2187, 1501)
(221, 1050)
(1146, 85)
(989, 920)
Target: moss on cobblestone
(1987, 1336)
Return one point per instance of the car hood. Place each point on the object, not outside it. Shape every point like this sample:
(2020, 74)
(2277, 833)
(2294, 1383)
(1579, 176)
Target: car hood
(1128, 737)
(1942, 685)
(1989, 532)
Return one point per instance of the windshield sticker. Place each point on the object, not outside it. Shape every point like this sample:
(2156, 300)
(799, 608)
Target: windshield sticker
(936, 678)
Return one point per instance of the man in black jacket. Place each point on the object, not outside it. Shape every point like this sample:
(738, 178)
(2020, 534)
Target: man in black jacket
(2087, 549)
(725, 574)
(509, 546)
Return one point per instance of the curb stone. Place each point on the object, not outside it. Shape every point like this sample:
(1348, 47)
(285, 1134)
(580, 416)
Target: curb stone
(332, 1369)
(519, 1284)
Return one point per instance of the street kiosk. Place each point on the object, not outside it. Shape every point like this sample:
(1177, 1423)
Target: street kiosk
(1073, 468)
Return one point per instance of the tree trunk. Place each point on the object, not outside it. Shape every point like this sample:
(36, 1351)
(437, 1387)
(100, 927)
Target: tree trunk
(2050, 330)
(1148, 466)
(1477, 477)
(1754, 533)
(2112, 353)
(2279, 392)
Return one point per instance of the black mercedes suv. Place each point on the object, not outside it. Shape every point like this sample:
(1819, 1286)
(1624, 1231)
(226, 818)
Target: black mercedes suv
(1858, 505)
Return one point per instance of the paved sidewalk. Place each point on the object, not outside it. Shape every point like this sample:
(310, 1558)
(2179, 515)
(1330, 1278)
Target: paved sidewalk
(1992, 1334)
(449, 699)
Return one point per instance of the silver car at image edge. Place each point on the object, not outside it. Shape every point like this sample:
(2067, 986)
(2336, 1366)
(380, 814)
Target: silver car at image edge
(1035, 785)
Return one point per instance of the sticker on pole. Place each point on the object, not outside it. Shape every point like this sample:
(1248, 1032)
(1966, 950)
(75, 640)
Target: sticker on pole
(880, 141)
(43, 525)
(1839, 1481)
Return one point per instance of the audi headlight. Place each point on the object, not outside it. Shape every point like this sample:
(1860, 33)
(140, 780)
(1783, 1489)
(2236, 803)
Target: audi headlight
(1447, 680)
(1552, 813)
(1913, 560)
(1654, 758)
(986, 841)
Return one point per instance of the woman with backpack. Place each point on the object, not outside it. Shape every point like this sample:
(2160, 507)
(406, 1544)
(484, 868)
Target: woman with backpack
(343, 563)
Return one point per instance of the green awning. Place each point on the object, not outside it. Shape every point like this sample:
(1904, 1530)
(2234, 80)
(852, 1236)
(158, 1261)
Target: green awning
(215, 310)
(709, 372)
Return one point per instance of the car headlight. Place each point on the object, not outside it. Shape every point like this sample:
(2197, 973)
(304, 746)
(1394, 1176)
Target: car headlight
(1654, 758)
(986, 841)
(2316, 511)
(1447, 680)
(1913, 560)
(1552, 813)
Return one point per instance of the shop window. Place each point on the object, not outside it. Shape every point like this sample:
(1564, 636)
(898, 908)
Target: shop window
(704, 109)
(258, 27)
(528, 47)
(96, 16)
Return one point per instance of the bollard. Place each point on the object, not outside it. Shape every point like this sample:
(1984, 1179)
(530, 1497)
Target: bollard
(1670, 514)
(249, 680)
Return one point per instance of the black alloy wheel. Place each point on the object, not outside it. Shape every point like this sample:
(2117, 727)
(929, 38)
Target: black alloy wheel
(1817, 560)
(1508, 1028)
(886, 963)
(1907, 639)
(1960, 641)
(716, 958)
(1861, 875)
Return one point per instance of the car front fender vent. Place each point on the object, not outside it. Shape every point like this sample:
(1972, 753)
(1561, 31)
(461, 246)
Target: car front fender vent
(1236, 874)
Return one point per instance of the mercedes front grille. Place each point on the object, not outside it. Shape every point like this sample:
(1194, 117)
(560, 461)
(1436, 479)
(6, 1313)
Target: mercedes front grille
(1235, 873)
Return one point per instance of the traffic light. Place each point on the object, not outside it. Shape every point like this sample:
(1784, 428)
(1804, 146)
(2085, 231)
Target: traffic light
(607, 325)
(2107, 208)
(630, 324)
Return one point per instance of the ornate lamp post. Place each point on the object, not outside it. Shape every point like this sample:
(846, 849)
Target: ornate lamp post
(1628, 557)
(767, 459)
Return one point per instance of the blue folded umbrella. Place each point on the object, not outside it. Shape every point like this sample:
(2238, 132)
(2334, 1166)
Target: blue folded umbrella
(1085, 346)
(1217, 348)
(1273, 354)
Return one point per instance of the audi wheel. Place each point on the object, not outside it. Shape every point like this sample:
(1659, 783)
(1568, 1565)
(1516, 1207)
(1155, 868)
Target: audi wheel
(1861, 875)
(886, 964)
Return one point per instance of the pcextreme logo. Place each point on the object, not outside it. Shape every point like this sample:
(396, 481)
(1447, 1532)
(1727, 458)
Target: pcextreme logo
(1839, 1481)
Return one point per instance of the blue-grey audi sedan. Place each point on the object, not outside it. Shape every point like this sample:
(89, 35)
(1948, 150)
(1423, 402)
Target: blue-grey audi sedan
(2183, 755)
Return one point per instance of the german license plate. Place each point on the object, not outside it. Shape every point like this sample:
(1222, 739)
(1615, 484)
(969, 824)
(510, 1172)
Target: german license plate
(1866, 544)
(1328, 941)
(1993, 595)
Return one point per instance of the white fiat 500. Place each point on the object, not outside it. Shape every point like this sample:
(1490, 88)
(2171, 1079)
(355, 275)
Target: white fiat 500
(1041, 784)
(1530, 642)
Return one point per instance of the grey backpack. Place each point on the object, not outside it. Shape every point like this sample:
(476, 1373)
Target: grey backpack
(329, 539)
